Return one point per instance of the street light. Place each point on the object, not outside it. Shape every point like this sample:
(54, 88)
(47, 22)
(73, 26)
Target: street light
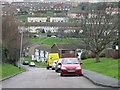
(21, 34)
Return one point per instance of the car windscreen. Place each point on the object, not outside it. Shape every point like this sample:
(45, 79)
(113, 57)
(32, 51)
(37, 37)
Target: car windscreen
(70, 61)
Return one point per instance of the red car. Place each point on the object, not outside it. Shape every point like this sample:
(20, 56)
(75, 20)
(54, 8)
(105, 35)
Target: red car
(70, 66)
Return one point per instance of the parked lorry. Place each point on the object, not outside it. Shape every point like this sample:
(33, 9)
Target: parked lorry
(52, 57)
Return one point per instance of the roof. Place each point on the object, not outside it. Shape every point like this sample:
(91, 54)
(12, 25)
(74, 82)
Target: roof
(69, 46)
(76, 10)
(44, 47)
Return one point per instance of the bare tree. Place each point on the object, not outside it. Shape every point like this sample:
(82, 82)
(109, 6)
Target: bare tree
(99, 29)
(11, 38)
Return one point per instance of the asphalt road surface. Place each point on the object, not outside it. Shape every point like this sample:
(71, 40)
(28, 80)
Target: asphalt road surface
(41, 78)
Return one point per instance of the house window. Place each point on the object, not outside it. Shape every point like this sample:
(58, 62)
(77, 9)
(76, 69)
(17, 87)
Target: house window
(63, 51)
(72, 52)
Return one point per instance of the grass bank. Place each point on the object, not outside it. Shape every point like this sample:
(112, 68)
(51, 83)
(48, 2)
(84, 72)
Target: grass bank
(8, 70)
(51, 41)
(107, 66)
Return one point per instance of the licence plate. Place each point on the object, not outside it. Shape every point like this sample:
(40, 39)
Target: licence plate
(71, 70)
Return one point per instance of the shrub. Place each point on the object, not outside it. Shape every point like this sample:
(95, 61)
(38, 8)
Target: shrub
(84, 55)
(102, 54)
(91, 55)
(116, 54)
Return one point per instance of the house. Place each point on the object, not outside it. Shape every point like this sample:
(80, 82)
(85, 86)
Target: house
(113, 11)
(59, 19)
(51, 26)
(67, 50)
(41, 52)
(37, 19)
(76, 13)
(61, 7)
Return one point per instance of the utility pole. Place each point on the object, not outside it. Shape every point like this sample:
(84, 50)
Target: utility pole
(21, 34)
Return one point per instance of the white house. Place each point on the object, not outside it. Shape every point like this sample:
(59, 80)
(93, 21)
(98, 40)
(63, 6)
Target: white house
(35, 29)
(37, 19)
(41, 53)
(59, 19)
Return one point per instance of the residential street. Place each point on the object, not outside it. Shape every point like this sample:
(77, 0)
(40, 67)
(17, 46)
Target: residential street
(42, 78)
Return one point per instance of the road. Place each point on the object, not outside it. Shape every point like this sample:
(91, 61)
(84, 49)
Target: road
(41, 78)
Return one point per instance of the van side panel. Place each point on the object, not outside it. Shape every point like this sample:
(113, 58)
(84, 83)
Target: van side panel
(52, 57)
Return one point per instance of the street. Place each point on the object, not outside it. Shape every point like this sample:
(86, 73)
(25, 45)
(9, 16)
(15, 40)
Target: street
(41, 78)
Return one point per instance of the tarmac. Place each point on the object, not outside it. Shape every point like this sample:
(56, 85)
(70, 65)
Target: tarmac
(96, 78)
(100, 79)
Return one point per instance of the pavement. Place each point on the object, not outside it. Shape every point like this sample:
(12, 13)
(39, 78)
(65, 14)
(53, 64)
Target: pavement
(101, 79)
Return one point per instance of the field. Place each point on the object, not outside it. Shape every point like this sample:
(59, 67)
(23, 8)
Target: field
(51, 41)
(8, 69)
(107, 66)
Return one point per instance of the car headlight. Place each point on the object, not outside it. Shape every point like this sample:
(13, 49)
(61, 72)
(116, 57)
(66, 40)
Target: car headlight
(63, 68)
(78, 68)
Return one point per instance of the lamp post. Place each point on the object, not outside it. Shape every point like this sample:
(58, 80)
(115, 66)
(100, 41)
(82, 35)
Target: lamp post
(21, 41)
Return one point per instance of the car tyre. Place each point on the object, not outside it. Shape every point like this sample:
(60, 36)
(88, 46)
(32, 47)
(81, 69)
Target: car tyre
(48, 68)
(53, 69)
(56, 71)
(81, 74)
(61, 75)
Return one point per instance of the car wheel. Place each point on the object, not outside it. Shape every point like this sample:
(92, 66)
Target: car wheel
(56, 71)
(53, 69)
(48, 68)
(61, 74)
(80, 74)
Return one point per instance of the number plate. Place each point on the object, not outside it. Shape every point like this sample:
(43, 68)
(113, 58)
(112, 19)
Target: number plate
(71, 70)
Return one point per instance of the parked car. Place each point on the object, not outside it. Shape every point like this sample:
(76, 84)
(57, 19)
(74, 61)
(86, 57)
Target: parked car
(71, 66)
(54, 64)
(58, 65)
(53, 36)
(32, 64)
(25, 63)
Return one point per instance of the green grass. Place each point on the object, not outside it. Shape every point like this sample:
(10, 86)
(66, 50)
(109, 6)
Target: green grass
(107, 66)
(0, 71)
(22, 17)
(51, 41)
(37, 63)
(8, 69)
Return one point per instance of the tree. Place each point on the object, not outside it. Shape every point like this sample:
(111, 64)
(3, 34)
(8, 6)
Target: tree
(99, 29)
(11, 39)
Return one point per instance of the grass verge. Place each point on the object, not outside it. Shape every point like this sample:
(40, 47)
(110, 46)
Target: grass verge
(8, 70)
(107, 66)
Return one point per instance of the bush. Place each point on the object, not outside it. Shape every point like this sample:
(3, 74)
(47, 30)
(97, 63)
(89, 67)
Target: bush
(116, 54)
(84, 55)
(102, 54)
(91, 55)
